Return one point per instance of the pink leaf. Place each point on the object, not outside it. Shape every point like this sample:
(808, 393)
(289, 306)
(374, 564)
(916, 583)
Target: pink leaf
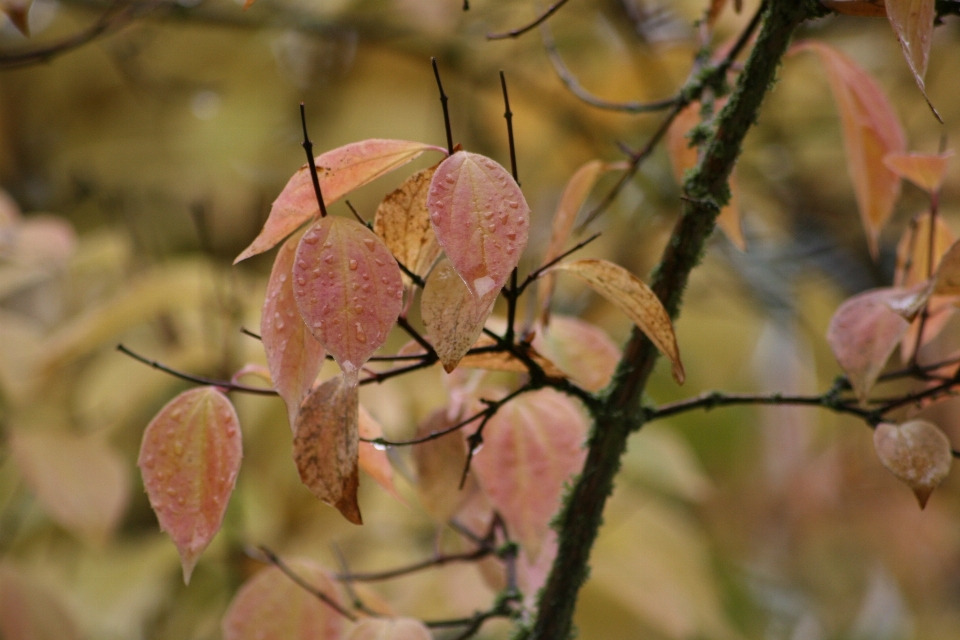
(294, 356)
(348, 289)
(340, 170)
(481, 219)
(583, 351)
(390, 629)
(28, 611)
(372, 460)
(189, 458)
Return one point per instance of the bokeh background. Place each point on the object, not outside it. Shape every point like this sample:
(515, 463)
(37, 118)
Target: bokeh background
(138, 165)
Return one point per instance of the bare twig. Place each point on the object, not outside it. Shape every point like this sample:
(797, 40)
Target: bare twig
(223, 384)
(272, 558)
(519, 31)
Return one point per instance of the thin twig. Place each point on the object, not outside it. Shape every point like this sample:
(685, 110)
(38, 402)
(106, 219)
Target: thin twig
(519, 31)
(275, 560)
(308, 148)
(443, 103)
(355, 214)
(223, 384)
(436, 561)
(533, 275)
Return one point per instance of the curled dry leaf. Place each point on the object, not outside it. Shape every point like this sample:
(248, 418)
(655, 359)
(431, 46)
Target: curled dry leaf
(371, 459)
(634, 298)
(917, 452)
(914, 261)
(863, 333)
(862, 8)
(294, 356)
(348, 289)
(326, 445)
(924, 170)
(340, 171)
(506, 361)
(390, 629)
(583, 351)
(189, 458)
(871, 131)
(403, 222)
(481, 219)
(531, 447)
(271, 606)
(439, 464)
(453, 315)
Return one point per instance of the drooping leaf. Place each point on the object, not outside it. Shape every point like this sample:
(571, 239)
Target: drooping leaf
(371, 459)
(403, 222)
(914, 261)
(481, 219)
(390, 629)
(29, 611)
(531, 447)
(454, 317)
(189, 458)
(271, 606)
(326, 445)
(871, 131)
(348, 289)
(634, 298)
(862, 8)
(912, 21)
(582, 351)
(506, 361)
(294, 356)
(917, 452)
(81, 482)
(439, 464)
(863, 333)
(340, 171)
(924, 170)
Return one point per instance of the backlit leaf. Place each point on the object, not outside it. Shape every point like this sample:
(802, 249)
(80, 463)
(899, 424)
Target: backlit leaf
(271, 606)
(863, 333)
(340, 171)
(924, 170)
(634, 298)
(914, 264)
(863, 8)
(29, 611)
(454, 317)
(506, 361)
(940, 309)
(946, 279)
(439, 464)
(917, 452)
(403, 222)
(912, 21)
(372, 460)
(189, 458)
(582, 351)
(294, 356)
(326, 445)
(871, 131)
(390, 629)
(348, 289)
(531, 447)
(481, 219)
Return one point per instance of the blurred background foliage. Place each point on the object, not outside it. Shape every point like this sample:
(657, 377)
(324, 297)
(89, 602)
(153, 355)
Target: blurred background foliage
(143, 162)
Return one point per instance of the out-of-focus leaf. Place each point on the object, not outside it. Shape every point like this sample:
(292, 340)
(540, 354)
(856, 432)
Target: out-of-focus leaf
(340, 171)
(583, 351)
(28, 611)
(326, 445)
(506, 361)
(917, 452)
(714, 11)
(454, 317)
(403, 222)
(634, 298)
(439, 463)
(348, 289)
(294, 356)
(531, 447)
(41, 240)
(863, 333)
(271, 606)
(912, 21)
(390, 629)
(871, 131)
(862, 8)
(81, 482)
(940, 309)
(660, 458)
(190, 457)
(914, 263)
(371, 459)
(18, 11)
(481, 219)
(924, 170)
(946, 280)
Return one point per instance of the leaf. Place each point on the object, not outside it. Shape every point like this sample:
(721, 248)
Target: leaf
(454, 317)
(917, 452)
(946, 279)
(294, 356)
(326, 445)
(714, 10)
(390, 629)
(372, 460)
(913, 251)
(190, 458)
(271, 606)
(862, 8)
(348, 289)
(403, 222)
(18, 11)
(29, 611)
(871, 131)
(80, 481)
(634, 298)
(531, 447)
(481, 219)
(940, 309)
(582, 351)
(439, 464)
(912, 21)
(506, 361)
(863, 332)
(927, 171)
(340, 171)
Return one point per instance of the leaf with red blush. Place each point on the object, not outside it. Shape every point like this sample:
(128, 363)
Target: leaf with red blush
(481, 220)
(372, 460)
(348, 288)
(506, 361)
(340, 171)
(189, 458)
(912, 21)
(582, 351)
(30, 611)
(927, 171)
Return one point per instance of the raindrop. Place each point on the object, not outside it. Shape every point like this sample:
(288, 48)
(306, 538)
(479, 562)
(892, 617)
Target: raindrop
(328, 257)
(279, 324)
(379, 447)
(302, 264)
(361, 336)
(318, 325)
(513, 204)
(176, 414)
(384, 279)
(371, 243)
(379, 262)
(366, 288)
(358, 308)
(310, 238)
(353, 265)
(327, 244)
(301, 281)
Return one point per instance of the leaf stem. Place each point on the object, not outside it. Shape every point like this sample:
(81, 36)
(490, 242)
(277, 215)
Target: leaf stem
(308, 148)
(213, 382)
(519, 31)
(443, 103)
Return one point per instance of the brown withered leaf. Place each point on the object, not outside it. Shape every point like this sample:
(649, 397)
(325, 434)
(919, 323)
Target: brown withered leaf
(326, 447)
(917, 452)
(506, 361)
(403, 223)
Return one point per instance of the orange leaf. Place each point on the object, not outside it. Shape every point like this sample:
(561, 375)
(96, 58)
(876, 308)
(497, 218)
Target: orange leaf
(439, 464)
(634, 298)
(863, 8)
(940, 310)
(326, 445)
(946, 279)
(912, 21)
(531, 447)
(271, 606)
(189, 458)
(390, 629)
(294, 356)
(28, 611)
(481, 219)
(871, 131)
(373, 460)
(340, 171)
(924, 170)
(348, 289)
(914, 263)
(917, 452)
(582, 351)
